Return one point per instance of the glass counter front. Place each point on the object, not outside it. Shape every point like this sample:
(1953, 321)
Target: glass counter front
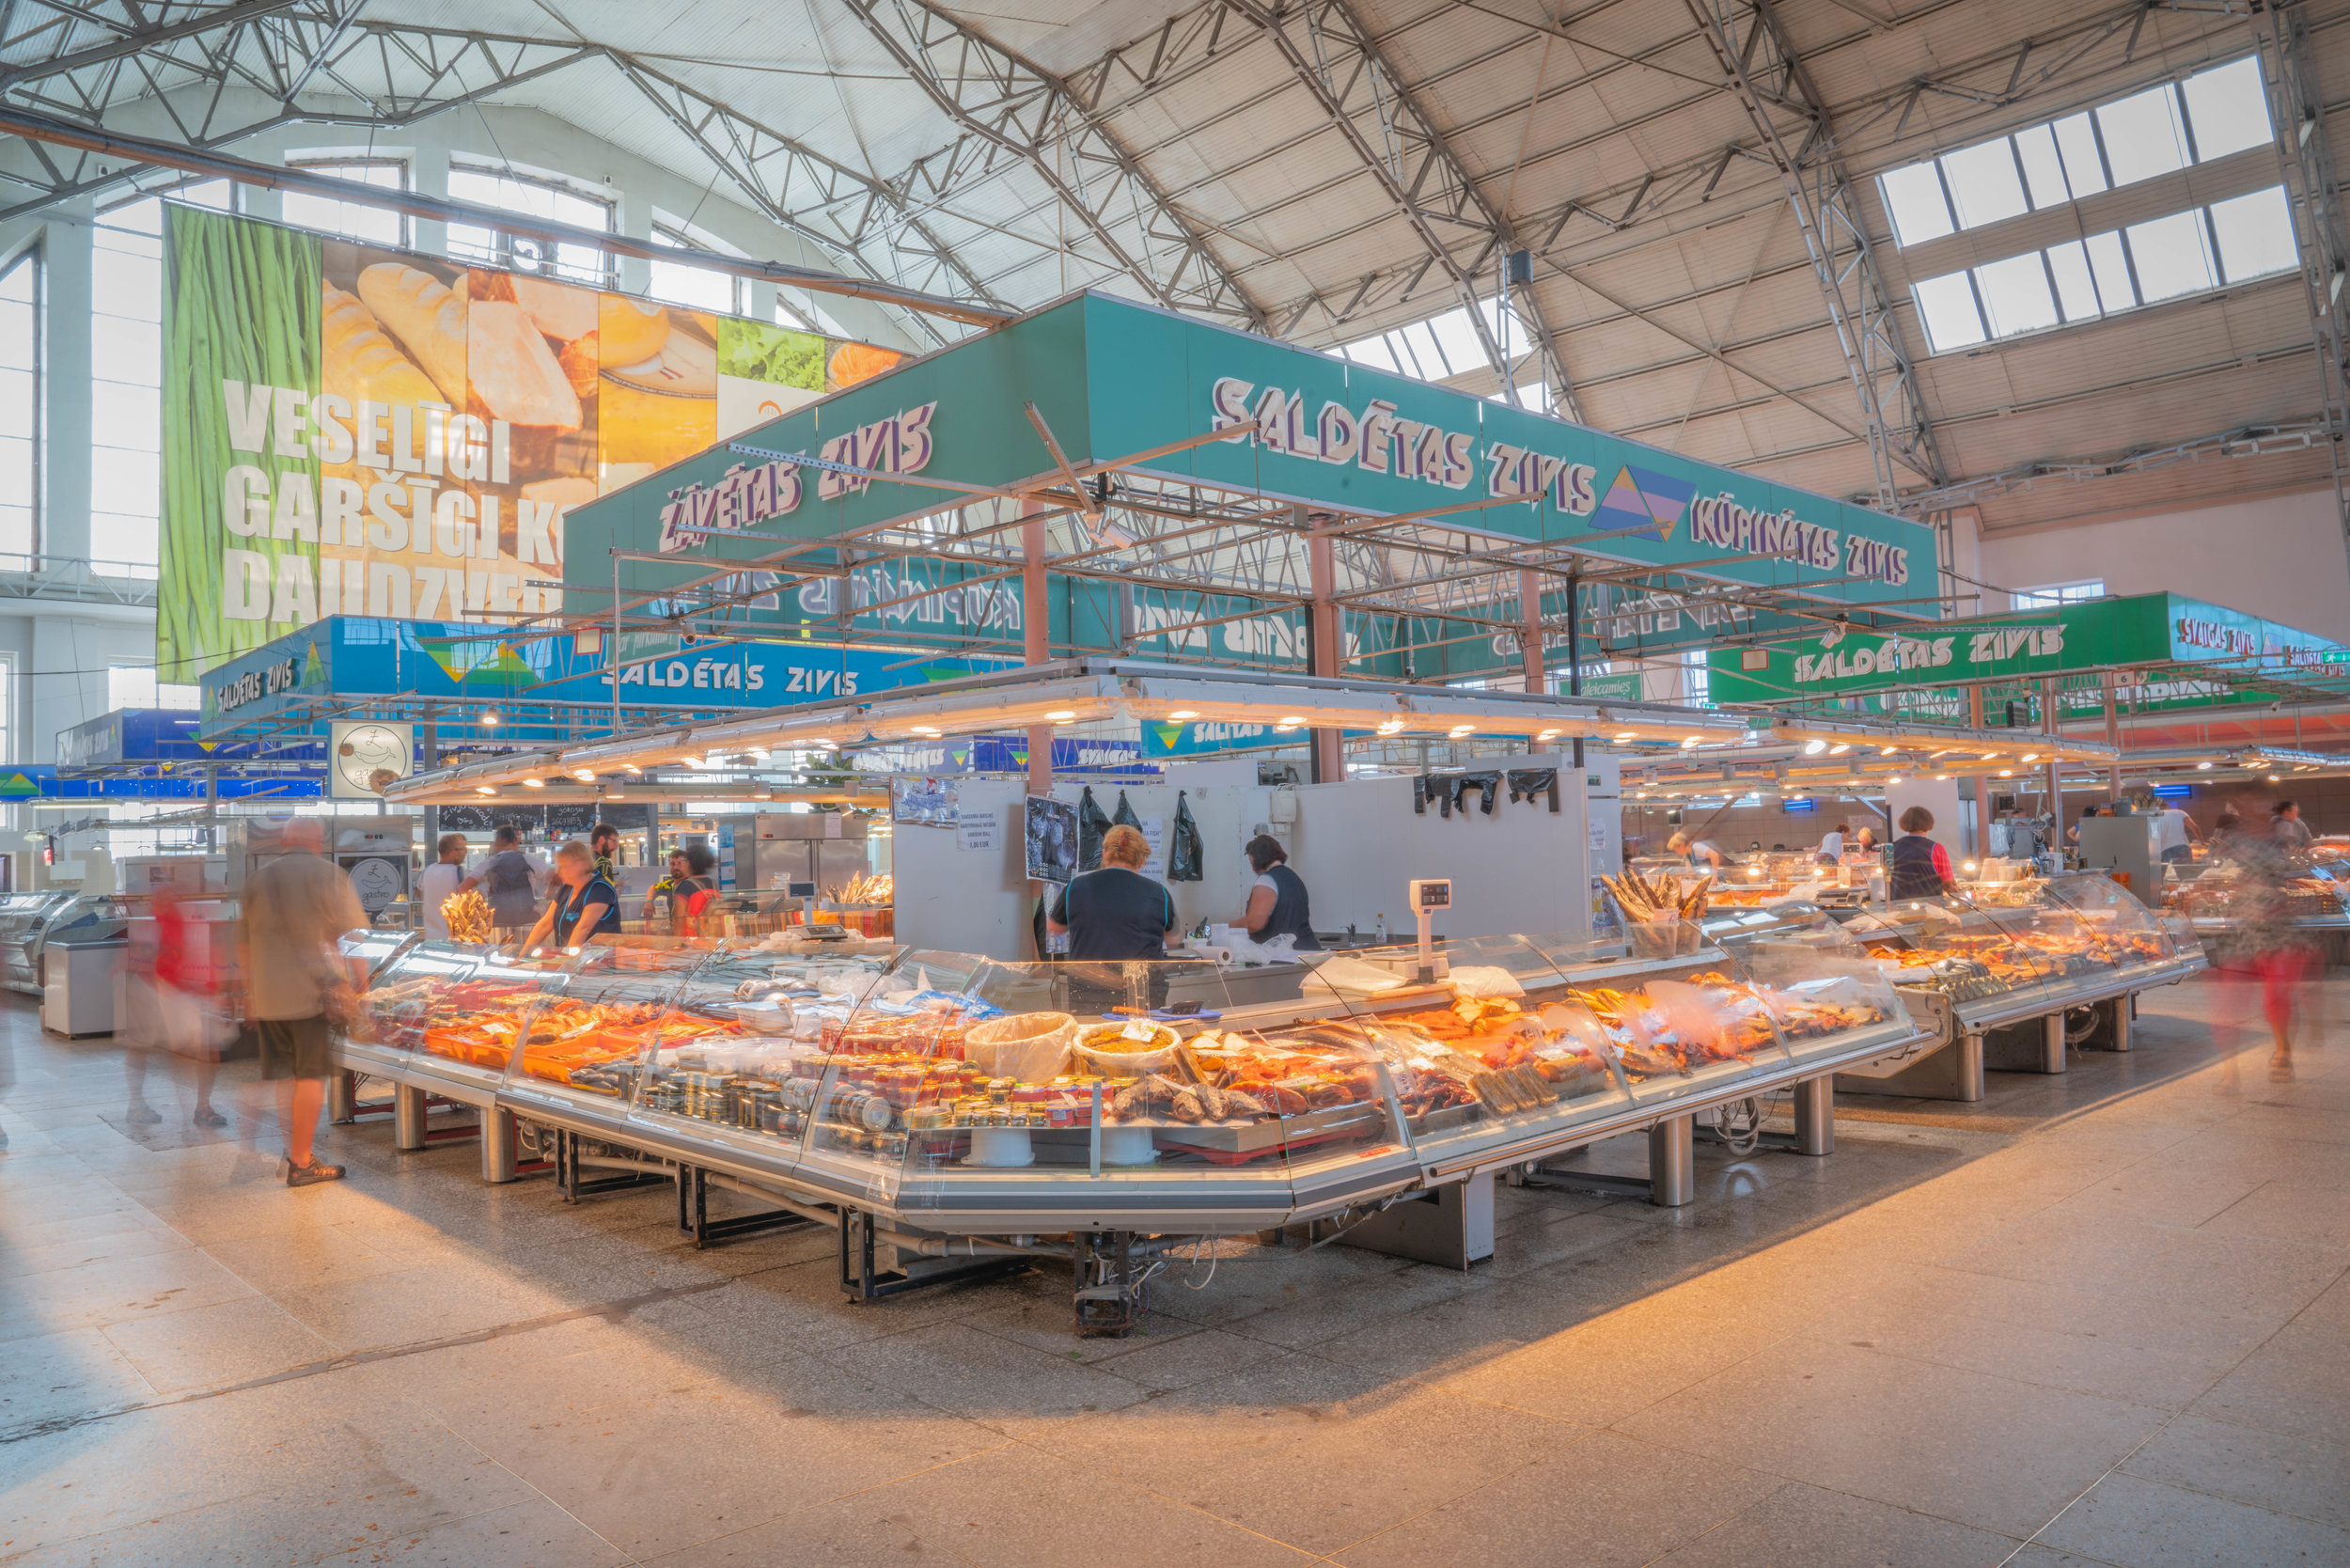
(978, 1092)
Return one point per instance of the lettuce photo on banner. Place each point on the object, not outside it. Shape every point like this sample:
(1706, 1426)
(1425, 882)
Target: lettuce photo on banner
(239, 513)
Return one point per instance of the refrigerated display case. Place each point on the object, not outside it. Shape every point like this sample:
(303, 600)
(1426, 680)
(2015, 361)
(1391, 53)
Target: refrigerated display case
(1979, 965)
(960, 1095)
(23, 918)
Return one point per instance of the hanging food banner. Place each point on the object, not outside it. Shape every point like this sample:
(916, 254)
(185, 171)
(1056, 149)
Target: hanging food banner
(353, 430)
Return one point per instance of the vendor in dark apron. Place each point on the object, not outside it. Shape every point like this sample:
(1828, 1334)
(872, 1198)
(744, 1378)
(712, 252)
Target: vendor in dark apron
(1277, 901)
(1922, 868)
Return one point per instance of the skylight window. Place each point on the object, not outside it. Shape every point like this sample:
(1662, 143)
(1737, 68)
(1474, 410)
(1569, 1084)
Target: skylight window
(2144, 135)
(1986, 183)
(2172, 257)
(2155, 132)
(1440, 347)
(2229, 242)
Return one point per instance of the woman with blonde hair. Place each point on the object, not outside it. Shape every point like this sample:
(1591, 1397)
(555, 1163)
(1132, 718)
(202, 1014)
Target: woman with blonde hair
(1115, 912)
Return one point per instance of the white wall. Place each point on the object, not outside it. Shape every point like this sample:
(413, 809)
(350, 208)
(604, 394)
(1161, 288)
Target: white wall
(2276, 556)
(1522, 870)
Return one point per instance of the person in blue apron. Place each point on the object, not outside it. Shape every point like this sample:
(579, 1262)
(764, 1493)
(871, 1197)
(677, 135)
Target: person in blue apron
(1277, 900)
(584, 905)
(1922, 868)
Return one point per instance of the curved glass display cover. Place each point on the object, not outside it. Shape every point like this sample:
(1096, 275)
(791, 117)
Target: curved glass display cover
(1493, 1058)
(1681, 1020)
(1821, 988)
(1953, 944)
(2122, 929)
(741, 1049)
(1142, 1075)
(457, 1007)
(585, 1039)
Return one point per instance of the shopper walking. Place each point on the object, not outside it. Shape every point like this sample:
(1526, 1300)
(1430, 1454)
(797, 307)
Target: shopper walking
(2286, 826)
(441, 882)
(2258, 948)
(505, 880)
(296, 909)
(584, 904)
(164, 1016)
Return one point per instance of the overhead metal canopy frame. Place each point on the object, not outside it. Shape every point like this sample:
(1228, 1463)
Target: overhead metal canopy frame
(1687, 193)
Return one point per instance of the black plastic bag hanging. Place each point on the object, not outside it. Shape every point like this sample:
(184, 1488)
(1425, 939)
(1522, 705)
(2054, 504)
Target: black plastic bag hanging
(1525, 783)
(1183, 857)
(1488, 788)
(1091, 828)
(1124, 816)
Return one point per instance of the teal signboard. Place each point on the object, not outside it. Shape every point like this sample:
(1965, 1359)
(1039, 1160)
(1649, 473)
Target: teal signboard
(1920, 673)
(1115, 380)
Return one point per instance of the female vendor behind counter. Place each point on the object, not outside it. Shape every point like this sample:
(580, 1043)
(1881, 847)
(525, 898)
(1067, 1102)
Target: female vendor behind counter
(1115, 912)
(1276, 900)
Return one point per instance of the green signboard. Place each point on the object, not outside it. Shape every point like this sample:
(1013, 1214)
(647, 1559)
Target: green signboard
(1920, 673)
(1114, 379)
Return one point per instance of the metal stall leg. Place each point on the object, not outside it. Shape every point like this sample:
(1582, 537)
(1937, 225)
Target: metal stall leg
(501, 1140)
(408, 1112)
(2052, 1044)
(2125, 1010)
(342, 1096)
(1971, 1086)
(1815, 1116)
(1672, 1170)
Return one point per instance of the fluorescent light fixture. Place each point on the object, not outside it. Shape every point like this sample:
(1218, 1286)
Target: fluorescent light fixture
(1625, 734)
(534, 783)
(1547, 734)
(2274, 779)
(1390, 727)
(923, 730)
(2007, 773)
(1840, 748)
(586, 775)
(1812, 748)
(1461, 729)
(485, 789)
(1291, 718)
(2202, 768)
(631, 767)
(489, 721)
(2031, 757)
(1184, 713)
(1063, 715)
(1688, 743)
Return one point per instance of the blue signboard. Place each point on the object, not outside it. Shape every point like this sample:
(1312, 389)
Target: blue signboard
(354, 656)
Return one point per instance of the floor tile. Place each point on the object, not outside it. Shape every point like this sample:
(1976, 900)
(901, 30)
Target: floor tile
(1015, 1508)
(207, 1347)
(1605, 1501)
(1799, 1523)
(110, 1290)
(1270, 1447)
(2300, 1476)
(2298, 1383)
(74, 1373)
(1978, 1450)
(2135, 1523)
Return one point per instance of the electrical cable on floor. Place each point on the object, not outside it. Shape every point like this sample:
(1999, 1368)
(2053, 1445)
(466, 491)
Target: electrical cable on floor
(1193, 1266)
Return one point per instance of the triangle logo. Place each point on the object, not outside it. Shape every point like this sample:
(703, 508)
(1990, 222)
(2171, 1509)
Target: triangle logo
(1644, 501)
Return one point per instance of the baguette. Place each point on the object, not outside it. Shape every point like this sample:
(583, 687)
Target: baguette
(359, 361)
(428, 321)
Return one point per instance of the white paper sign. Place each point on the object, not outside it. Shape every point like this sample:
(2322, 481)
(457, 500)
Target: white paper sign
(1154, 835)
(977, 830)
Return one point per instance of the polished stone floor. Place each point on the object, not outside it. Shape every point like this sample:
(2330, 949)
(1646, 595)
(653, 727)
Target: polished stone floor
(2097, 1319)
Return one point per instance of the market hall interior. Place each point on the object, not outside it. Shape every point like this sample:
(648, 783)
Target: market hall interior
(2095, 1318)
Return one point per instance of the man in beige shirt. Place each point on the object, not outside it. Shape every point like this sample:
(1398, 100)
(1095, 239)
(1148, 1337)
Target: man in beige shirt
(295, 910)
